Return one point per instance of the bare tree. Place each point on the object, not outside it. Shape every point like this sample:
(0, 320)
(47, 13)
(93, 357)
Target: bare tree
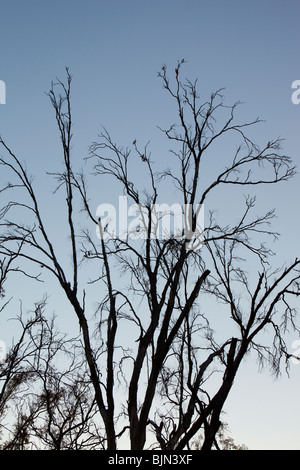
(158, 368)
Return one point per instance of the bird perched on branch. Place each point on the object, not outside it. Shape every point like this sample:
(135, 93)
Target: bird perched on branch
(134, 142)
(144, 159)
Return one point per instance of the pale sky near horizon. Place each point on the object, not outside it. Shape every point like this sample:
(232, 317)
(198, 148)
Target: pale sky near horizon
(114, 50)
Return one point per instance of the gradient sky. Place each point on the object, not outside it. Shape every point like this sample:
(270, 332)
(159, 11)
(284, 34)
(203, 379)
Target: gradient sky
(114, 49)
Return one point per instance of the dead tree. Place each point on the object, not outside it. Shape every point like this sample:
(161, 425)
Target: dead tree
(154, 338)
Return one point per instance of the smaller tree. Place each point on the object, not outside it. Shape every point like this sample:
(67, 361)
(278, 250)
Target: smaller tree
(16, 373)
(46, 391)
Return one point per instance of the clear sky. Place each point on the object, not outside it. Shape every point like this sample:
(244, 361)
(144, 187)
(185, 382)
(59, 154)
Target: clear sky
(114, 49)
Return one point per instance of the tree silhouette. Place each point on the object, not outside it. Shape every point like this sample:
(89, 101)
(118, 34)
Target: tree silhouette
(158, 370)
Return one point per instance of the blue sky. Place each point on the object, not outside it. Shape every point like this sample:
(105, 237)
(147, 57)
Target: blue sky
(114, 50)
